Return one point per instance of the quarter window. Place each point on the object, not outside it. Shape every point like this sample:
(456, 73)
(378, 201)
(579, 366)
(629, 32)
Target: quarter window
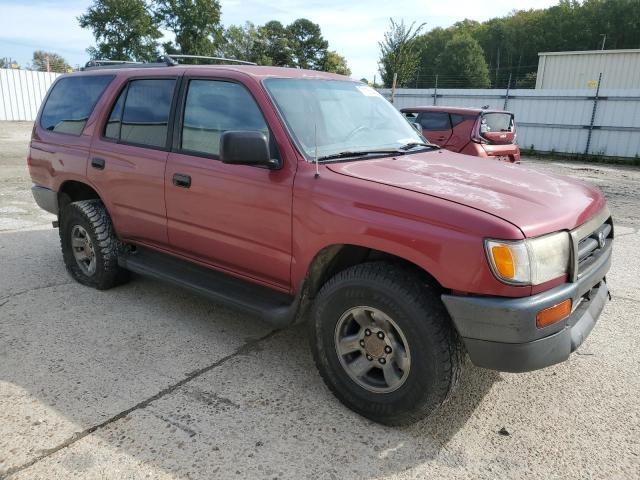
(141, 114)
(71, 102)
(211, 108)
(115, 119)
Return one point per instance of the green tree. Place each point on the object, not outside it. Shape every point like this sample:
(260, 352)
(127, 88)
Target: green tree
(462, 65)
(49, 61)
(243, 42)
(298, 45)
(275, 44)
(335, 63)
(195, 23)
(399, 53)
(308, 47)
(429, 47)
(123, 29)
(511, 43)
(527, 81)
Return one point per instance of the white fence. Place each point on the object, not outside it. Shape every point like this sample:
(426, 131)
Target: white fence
(21, 93)
(568, 121)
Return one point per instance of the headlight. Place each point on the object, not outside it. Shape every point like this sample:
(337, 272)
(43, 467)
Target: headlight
(532, 261)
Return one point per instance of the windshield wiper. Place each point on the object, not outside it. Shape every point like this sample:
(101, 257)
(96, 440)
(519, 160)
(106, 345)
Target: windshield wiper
(388, 151)
(361, 153)
(409, 146)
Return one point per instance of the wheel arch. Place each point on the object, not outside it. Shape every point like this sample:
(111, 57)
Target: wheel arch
(335, 258)
(74, 191)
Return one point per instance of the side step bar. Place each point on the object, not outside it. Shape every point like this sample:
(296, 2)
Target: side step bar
(273, 307)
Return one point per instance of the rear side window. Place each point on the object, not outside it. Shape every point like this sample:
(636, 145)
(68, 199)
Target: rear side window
(71, 102)
(212, 107)
(434, 121)
(140, 116)
(457, 119)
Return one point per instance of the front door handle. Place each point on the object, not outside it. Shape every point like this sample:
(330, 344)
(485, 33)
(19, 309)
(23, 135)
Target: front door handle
(181, 180)
(97, 163)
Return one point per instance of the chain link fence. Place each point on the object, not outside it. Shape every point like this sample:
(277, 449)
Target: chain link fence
(516, 77)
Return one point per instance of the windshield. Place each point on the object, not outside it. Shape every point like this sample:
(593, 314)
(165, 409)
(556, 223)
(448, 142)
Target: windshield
(339, 117)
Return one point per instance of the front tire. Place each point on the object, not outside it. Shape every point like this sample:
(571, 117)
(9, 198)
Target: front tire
(90, 246)
(383, 343)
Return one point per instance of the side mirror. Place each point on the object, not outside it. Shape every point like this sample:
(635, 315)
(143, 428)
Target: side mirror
(245, 147)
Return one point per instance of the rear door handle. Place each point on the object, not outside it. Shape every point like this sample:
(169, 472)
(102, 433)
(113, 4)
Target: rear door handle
(97, 163)
(181, 180)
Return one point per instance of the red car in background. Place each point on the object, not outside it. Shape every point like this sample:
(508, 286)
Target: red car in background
(472, 131)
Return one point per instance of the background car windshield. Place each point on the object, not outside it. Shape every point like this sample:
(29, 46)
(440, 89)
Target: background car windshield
(343, 116)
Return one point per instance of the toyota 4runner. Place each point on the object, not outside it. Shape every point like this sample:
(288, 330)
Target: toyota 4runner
(305, 196)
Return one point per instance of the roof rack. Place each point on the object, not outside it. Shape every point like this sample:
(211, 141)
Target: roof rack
(163, 61)
(219, 59)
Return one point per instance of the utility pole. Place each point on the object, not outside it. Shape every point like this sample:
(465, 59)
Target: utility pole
(497, 67)
(604, 39)
(506, 95)
(46, 60)
(393, 87)
(435, 91)
(593, 115)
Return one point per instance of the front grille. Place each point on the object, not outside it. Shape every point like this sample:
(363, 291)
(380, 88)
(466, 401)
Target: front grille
(590, 247)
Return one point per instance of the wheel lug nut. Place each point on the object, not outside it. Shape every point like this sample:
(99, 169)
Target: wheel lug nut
(387, 349)
(382, 361)
(369, 357)
(362, 343)
(380, 335)
(367, 332)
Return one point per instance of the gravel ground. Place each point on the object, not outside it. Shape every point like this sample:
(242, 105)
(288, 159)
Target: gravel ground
(145, 381)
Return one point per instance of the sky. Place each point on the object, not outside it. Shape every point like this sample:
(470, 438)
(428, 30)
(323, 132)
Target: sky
(353, 28)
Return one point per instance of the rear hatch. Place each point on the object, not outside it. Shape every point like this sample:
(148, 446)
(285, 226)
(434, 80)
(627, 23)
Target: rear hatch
(497, 128)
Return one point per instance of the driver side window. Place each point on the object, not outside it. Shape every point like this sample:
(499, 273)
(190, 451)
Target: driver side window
(211, 108)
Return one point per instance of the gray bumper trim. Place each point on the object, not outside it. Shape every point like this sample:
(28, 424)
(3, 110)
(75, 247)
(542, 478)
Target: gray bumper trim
(501, 333)
(556, 348)
(46, 198)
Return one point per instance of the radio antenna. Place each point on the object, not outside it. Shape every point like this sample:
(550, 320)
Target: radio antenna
(315, 140)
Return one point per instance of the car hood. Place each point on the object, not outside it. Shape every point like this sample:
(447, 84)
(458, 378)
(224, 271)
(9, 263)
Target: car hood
(532, 200)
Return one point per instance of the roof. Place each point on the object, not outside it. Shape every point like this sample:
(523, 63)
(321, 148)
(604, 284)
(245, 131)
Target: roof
(591, 52)
(256, 71)
(458, 110)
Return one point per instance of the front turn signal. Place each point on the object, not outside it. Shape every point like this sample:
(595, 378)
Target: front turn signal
(554, 314)
(503, 260)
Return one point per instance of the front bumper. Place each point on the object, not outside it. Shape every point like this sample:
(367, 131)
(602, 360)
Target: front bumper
(501, 333)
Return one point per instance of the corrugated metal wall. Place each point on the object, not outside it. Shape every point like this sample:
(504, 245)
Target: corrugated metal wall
(571, 70)
(552, 120)
(21, 93)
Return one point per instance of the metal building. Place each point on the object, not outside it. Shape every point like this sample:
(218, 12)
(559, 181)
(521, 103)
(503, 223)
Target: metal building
(578, 70)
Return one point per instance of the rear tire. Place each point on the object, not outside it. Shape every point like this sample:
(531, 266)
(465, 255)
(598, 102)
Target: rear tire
(404, 383)
(90, 246)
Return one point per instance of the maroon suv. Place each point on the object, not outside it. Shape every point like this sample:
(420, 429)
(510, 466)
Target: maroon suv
(305, 196)
(472, 131)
